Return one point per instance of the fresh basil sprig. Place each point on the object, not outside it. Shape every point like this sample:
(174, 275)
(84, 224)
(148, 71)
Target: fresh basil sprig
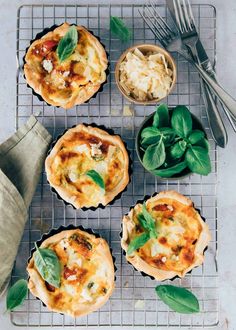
(67, 44)
(119, 29)
(170, 171)
(170, 145)
(149, 225)
(181, 121)
(198, 160)
(178, 299)
(137, 242)
(48, 265)
(16, 294)
(96, 177)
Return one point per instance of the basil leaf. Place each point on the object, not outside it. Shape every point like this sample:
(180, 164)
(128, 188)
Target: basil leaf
(198, 160)
(67, 44)
(119, 29)
(48, 265)
(142, 221)
(178, 149)
(96, 177)
(178, 299)
(170, 171)
(203, 143)
(149, 132)
(168, 135)
(195, 136)
(181, 121)
(151, 223)
(154, 156)
(156, 120)
(150, 140)
(137, 242)
(163, 115)
(17, 294)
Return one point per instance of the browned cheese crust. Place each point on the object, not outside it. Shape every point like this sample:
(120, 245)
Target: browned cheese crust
(182, 237)
(87, 274)
(73, 81)
(80, 150)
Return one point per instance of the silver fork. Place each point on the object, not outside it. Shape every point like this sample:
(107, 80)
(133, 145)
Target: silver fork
(173, 43)
(190, 38)
(218, 130)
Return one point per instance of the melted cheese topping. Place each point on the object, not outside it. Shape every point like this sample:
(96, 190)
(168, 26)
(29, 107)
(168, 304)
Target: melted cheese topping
(179, 230)
(79, 154)
(63, 81)
(84, 272)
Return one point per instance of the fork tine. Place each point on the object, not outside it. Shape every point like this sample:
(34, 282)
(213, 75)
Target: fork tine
(191, 14)
(186, 16)
(162, 20)
(181, 16)
(164, 34)
(177, 17)
(152, 27)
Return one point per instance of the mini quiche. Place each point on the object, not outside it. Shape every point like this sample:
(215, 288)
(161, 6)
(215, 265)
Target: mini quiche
(69, 82)
(88, 166)
(86, 273)
(176, 242)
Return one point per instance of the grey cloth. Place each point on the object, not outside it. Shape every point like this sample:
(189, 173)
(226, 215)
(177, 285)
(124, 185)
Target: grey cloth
(21, 161)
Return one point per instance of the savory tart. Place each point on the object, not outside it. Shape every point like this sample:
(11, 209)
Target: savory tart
(88, 166)
(165, 237)
(74, 77)
(86, 273)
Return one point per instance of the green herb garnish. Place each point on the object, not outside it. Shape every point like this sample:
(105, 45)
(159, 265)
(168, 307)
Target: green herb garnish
(16, 294)
(178, 299)
(137, 242)
(198, 160)
(96, 177)
(67, 44)
(170, 145)
(149, 225)
(181, 121)
(48, 265)
(119, 29)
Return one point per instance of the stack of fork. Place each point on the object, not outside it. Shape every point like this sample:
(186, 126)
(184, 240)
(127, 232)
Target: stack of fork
(184, 39)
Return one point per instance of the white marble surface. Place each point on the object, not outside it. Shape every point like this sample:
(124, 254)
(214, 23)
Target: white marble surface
(226, 68)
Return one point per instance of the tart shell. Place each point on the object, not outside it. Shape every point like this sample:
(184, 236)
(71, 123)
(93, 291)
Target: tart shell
(38, 290)
(142, 266)
(90, 91)
(108, 201)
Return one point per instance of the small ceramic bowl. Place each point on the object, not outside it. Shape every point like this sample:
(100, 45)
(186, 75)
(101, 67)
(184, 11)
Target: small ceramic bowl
(148, 122)
(145, 48)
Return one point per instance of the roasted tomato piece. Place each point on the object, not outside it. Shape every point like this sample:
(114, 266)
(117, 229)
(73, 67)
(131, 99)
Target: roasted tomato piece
(68, 272)
(49, 44)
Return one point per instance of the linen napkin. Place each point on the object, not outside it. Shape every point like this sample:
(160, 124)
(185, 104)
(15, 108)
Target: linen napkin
(21, 161)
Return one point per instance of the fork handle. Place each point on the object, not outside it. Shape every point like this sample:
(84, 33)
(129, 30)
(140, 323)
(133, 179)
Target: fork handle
(219, 91)
(215, 121)
(216, 124)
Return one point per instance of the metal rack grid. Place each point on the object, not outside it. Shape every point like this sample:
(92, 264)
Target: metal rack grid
(110, 108)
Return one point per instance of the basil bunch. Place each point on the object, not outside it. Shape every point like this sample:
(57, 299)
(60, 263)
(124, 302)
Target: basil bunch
(171, 145)
(150, 230)
(119, 29)
(96, 177)
(48, 266)
(67, 44)
(178, 299)
(16, 294)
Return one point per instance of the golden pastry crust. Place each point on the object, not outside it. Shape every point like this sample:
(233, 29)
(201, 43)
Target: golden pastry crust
(72, 156)
(76, 297)
(75, 80)
(182, 238)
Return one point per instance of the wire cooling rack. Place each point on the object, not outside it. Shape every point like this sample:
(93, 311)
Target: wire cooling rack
(111, 109)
